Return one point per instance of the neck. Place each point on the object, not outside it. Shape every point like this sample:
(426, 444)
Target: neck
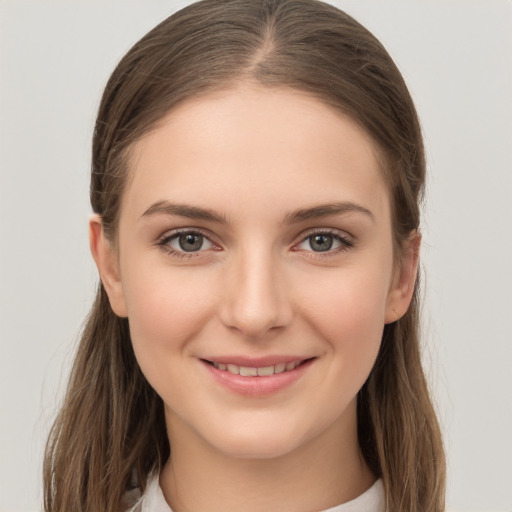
(322, 473)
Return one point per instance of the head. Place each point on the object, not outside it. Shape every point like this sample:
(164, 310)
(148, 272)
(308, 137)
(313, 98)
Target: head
(303, 45)
(292, 47)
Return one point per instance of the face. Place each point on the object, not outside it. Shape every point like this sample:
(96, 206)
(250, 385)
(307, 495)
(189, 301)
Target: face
(255, 265)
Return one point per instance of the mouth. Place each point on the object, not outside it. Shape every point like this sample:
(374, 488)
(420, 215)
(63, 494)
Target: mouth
(257, 377)
(258, 371)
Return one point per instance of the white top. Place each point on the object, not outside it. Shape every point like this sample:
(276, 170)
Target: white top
(153, 500)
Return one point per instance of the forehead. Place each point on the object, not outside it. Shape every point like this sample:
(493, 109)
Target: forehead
(259, 145)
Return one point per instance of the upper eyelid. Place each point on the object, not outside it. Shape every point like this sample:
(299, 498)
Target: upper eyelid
(342, 234)
(328, 231)
(346, 240)
(170, 233)
(163, 242)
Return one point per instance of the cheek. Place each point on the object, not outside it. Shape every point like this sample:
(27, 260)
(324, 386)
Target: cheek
(165, 310)
(348, 312)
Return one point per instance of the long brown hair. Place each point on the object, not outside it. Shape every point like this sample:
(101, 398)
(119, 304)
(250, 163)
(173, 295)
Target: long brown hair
(111, 424)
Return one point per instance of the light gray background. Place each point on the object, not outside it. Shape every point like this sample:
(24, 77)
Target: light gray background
(55, 57)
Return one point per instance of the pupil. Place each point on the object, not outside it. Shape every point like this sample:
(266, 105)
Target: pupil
(190, 242)
(321, 243)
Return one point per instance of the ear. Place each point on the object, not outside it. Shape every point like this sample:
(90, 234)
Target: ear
(107, 262)
(401, 291)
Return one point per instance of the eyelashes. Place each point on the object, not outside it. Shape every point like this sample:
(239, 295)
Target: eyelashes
(324, 241)
(187, 243)
(192, 242)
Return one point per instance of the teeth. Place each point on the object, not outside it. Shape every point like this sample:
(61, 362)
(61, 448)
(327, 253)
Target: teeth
(265, 371)
(248, 372)
(233, 368)
(280, 368)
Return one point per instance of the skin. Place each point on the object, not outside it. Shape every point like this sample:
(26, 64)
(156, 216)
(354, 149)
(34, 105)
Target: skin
(254, 156)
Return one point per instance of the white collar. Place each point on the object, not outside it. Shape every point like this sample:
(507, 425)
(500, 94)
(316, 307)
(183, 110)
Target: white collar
(371, 500)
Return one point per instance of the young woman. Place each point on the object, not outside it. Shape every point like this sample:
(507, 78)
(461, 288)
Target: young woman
(256, 178)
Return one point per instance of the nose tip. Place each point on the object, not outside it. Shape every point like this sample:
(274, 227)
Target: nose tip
(256, 301)
(254, 322)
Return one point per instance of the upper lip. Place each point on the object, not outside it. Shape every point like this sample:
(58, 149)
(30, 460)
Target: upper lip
(256, 362)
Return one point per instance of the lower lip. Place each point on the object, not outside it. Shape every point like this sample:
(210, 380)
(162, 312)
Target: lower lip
(257, 386)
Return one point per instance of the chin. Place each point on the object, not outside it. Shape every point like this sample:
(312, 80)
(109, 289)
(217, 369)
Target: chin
(256, 441)
(256, 448)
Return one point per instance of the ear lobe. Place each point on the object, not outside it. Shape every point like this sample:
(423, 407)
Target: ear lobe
(400, 294)
(106, 260)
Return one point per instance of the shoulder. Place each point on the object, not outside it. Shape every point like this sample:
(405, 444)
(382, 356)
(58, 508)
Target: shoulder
(132, 497)
(152, 500)
(132, 501)
(373, 500)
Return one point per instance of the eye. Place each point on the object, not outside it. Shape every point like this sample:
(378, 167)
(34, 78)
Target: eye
(324, 242)
(186, 242)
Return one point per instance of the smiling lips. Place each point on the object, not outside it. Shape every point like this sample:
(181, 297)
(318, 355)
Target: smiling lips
(253, 371)
(261, 377)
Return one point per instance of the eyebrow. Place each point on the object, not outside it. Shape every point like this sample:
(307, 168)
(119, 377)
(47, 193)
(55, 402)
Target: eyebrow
(194, 212)
(324, 210)
(184, 210)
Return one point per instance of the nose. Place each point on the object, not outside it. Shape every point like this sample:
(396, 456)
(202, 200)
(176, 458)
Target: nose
(255, 296)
